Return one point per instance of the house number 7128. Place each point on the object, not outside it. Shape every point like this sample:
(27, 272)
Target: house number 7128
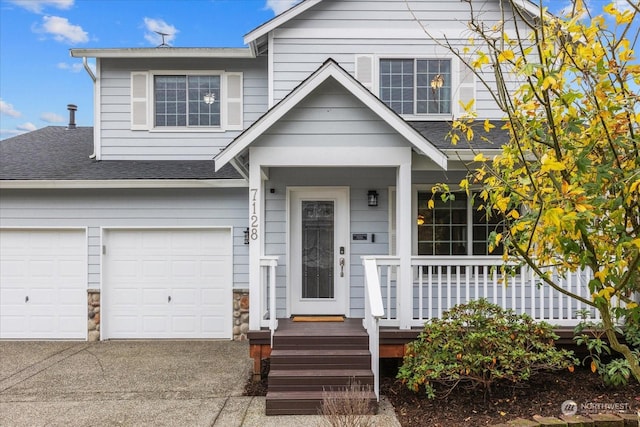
(254, 215)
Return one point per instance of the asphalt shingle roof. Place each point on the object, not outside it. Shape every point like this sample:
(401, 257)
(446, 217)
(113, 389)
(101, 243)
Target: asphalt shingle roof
(437, 133)
(58, 153)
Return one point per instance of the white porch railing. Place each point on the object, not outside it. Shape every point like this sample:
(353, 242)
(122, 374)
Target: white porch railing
(439, 283)
(373, 311)
(268, 317)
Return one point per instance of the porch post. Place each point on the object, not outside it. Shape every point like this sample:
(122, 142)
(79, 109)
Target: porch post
(403, 240)
(255, 245)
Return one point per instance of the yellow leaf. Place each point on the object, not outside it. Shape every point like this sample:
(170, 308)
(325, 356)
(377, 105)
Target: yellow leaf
(553, 216)
(502, 203)
(550, 164)
(606, 292)
(506, 55)
(602, 274)
(430, 204)
(549, 82)
(480, 158)
(488, 126)
(468, 106)
(594, 366)
(631, 305)
(514, 214)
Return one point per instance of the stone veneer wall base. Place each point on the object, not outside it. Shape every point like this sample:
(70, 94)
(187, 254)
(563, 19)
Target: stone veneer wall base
(240, 314)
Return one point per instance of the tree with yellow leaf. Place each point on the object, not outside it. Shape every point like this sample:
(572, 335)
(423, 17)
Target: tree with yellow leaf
(567, 184)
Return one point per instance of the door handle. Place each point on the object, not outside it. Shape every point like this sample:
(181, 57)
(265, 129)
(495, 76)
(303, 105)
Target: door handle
(26, 299)
(169, 298)
(341, 267)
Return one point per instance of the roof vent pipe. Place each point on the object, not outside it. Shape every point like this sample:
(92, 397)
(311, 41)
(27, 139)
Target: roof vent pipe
(72, 116)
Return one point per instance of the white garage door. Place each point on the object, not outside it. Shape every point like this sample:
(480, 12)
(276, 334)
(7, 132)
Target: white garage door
(43, 284)
(167, 283)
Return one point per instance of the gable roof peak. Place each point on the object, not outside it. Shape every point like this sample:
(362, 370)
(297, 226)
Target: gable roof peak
(330, 69)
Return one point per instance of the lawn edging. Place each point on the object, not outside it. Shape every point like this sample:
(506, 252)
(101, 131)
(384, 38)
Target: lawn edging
(593, 420)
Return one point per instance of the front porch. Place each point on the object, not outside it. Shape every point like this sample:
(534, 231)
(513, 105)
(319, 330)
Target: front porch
(394, 317)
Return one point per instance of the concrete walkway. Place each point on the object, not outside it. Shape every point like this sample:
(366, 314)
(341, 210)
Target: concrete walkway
(130, 383)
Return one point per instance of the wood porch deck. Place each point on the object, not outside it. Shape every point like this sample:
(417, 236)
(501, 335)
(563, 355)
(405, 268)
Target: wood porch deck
(392, 340)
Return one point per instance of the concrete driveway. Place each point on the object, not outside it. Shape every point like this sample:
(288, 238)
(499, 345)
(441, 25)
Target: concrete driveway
(159, 383)
(119, 382)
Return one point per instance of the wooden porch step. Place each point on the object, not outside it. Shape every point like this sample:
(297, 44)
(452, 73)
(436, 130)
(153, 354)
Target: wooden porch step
(309, 359)
(316, 342)
(328, 359)
(318, 379)
(306, 402)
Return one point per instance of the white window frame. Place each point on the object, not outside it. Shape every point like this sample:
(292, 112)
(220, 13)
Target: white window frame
(226, 101)
(456, 84)
(187, 101)
(426, 188)
(152, 93)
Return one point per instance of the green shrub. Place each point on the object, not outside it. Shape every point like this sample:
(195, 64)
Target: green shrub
(614, 370)
(480, 344)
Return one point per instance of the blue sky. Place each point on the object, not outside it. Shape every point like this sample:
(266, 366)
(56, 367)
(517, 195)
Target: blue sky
(38, 78)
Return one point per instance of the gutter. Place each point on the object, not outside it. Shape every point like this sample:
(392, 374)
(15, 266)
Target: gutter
(120, 183)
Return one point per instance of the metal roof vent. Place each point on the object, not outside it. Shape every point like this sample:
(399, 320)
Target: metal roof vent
(72, 116)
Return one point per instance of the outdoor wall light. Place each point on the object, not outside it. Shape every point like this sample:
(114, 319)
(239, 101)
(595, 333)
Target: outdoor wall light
(209, 98)
(372, 198)
(246, 236)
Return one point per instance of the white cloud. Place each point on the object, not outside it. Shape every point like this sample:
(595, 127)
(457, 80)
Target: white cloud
(153, 25)
(51, 118)
(8, 110)
(37, 6)
(76, 67)
(27, 127)
(63, 31)
(279, 6)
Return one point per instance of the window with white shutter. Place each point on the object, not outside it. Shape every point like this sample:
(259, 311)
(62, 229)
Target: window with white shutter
(196, 100)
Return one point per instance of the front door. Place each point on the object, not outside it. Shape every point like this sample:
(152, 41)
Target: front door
(319, 252)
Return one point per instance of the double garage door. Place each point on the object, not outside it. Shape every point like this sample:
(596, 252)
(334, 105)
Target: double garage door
(156, 283)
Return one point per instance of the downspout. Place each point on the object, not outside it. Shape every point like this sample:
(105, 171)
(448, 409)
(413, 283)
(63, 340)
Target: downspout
(93, 77)
(86, 67)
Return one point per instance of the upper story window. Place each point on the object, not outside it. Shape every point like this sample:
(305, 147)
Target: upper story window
(194, 101)
(186, 101)
(416, 86)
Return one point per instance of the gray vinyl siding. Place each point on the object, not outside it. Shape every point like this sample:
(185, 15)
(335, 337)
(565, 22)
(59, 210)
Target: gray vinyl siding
(96, 209)
(119, 142)
(342, 29)
(363, 219)
(331, 116)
